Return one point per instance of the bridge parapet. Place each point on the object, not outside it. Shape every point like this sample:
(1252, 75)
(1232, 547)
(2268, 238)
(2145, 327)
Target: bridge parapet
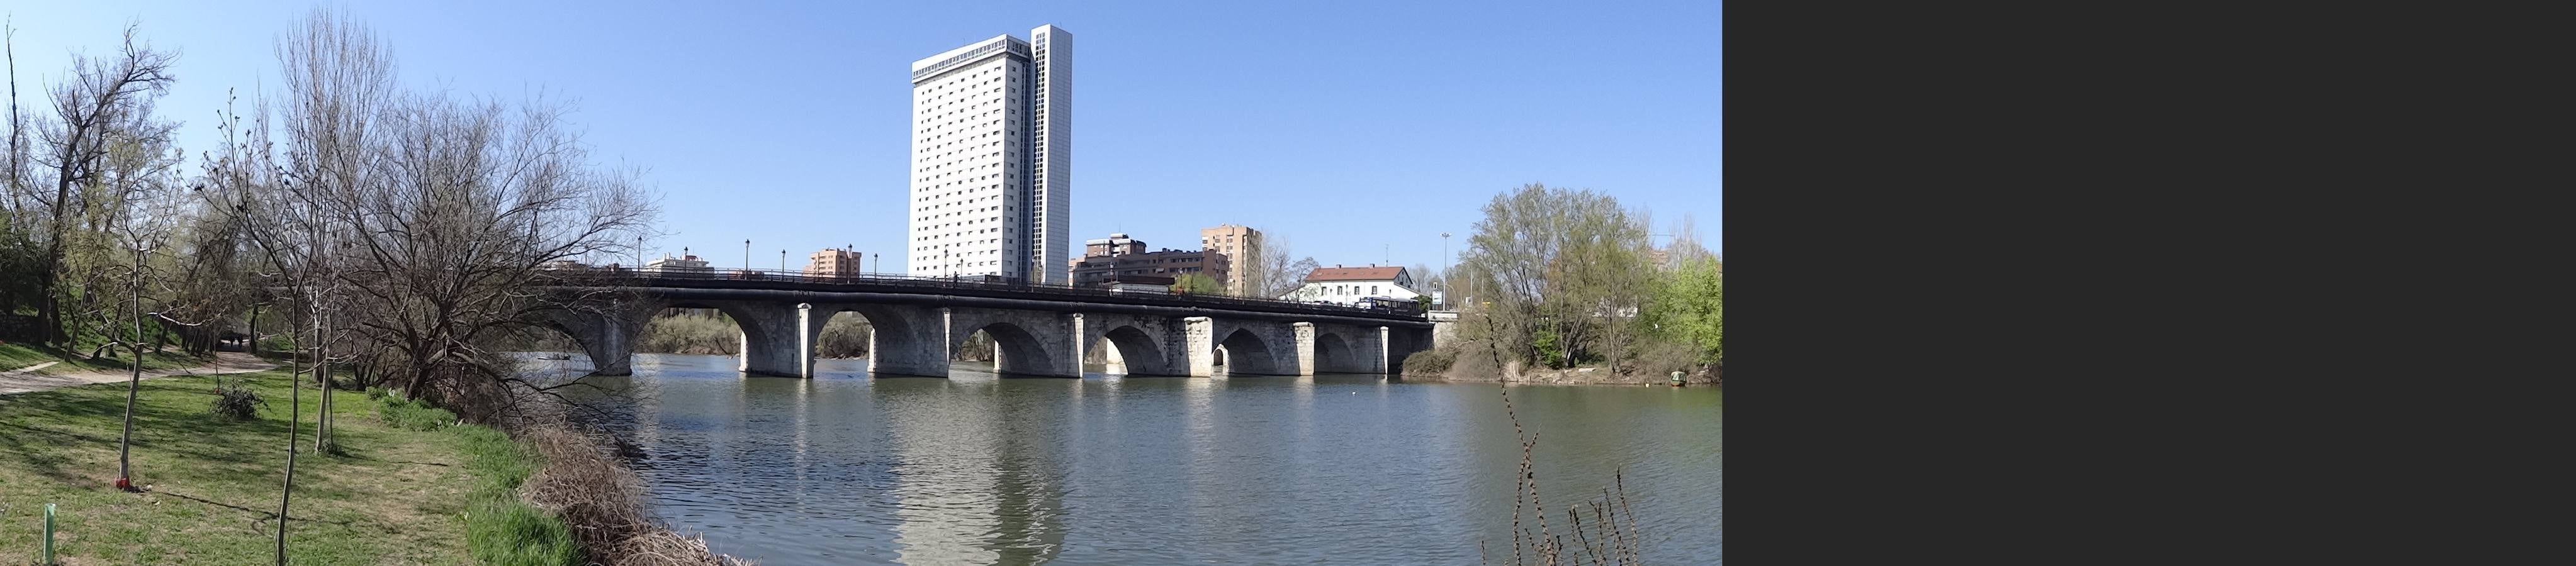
(1041, 331)
(870, 283)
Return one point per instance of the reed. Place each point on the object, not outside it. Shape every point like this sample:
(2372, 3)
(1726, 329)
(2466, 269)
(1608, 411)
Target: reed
(602, 501)
(1608, 538)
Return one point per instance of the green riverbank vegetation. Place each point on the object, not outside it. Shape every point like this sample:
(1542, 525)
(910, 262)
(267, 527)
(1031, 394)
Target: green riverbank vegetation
(1555, 282)
(402, 489)
(407, 483)
(383, 239)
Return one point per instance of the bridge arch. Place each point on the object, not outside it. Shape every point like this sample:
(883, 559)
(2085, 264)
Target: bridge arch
(1024, 342)
(1015, 349)
(903, 340)
(1137, 350)
(1334, 355)
(584, 335)
(1247, 354)
(606, 331)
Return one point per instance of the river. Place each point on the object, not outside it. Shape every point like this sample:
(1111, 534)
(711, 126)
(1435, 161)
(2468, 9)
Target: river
(976, 469)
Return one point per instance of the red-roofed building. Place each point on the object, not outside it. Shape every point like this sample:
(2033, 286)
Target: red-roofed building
(1347, 285)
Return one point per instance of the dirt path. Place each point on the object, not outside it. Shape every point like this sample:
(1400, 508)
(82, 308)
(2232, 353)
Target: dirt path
(225, 362)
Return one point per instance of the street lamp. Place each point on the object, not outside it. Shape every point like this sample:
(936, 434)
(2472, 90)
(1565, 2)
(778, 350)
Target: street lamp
(746, 254)
(782, 260)
(1444, 254)
(1444, 265)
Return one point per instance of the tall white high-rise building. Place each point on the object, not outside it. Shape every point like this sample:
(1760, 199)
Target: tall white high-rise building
(992, 134)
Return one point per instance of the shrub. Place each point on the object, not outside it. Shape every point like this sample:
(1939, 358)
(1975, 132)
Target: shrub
(413, 415)
(843, 337)
(1550, 352)
(677, 333)
(1658, 358)
(234, 400)
(1429, 362)
(505, 531)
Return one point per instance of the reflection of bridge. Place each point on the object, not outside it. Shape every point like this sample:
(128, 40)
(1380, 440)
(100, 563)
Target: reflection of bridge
(918, 324)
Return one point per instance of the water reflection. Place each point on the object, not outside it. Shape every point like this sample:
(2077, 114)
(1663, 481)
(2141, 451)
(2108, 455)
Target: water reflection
(977, 469)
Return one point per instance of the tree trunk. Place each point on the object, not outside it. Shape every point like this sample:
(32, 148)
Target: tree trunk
(133, 383)
(322, 376)
(294, 419)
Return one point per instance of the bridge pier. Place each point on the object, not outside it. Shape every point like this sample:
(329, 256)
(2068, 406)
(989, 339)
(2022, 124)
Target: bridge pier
(606, 334)
(1305, 348)
(773, 338)
(1197, 334)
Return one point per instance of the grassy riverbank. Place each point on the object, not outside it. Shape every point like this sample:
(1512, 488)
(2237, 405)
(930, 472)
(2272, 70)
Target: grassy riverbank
(15, 355)
(410, 489)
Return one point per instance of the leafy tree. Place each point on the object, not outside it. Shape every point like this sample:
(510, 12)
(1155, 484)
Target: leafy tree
(1197, 284)
(1564, 264)
(1690, 305)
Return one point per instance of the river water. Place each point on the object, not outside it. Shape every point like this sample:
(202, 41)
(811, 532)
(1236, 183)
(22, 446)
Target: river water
(977, 469)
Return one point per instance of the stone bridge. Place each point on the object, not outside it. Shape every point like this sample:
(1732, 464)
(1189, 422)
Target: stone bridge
(917, 327)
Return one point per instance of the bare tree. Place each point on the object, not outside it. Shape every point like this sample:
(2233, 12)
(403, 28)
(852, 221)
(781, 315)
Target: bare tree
(1685, 247)
(407, 230)
(1426, 279)
(1274, 273)
(113, 167)
(102, 113)
(430, 217)
(21, 266)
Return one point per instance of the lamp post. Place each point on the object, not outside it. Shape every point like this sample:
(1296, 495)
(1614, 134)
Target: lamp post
(879, 257)
(1444, 255)
(782, 260)
(746, 254)
(1444, 265)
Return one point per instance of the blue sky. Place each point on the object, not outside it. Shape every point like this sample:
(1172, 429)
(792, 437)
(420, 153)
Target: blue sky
(1357, 131)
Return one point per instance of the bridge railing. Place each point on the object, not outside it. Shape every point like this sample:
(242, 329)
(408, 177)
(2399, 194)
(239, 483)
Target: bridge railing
(624, 275)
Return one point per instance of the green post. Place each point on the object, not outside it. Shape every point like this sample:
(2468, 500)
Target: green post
(49, 534)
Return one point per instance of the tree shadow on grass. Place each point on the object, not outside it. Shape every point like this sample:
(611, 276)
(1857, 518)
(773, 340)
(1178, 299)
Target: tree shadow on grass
(45, 464)
(262, 515)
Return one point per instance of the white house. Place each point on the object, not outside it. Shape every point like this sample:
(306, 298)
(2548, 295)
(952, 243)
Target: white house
(1347, 285)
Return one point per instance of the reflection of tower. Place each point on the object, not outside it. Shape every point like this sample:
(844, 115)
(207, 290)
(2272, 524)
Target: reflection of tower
(943, 443)
(978, 476)
(1030, 488)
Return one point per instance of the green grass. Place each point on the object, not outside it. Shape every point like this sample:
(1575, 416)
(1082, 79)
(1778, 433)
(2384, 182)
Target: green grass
(411, 415)
(502, 529)
(398, 495)
(511, 533)
(14, 355)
